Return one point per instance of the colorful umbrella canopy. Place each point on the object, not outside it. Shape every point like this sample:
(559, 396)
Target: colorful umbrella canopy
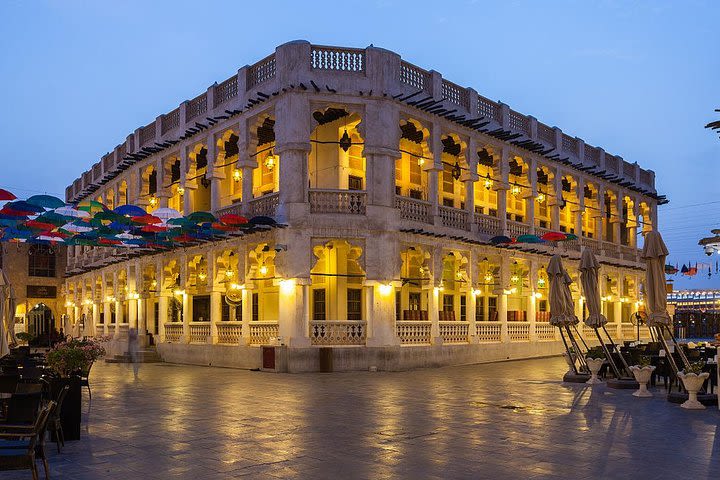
(262, 220)
(146, 219)
(45, 201)
(130, 210)
(69, 211)
(201, 217)
(22, 206)
(91, 206)
(233, 219)
(554, 237)
(167, 213)
(500, 239)
(5, 195)
(528, 239)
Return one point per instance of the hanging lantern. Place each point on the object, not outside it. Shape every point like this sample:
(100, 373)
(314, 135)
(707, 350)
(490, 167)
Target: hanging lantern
(263, 270)
(541, 197)
(270, 161)
(515, 190)
(345, 142)
(236, 174)
(489, 277)
(488, 182)
(181, 191)
(456, 171)
(421, 161)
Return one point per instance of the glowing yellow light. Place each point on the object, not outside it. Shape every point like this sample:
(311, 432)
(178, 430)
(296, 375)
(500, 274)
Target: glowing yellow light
(153, 284)
(236, 286)
(153, 201)
(87, 301)
(263, 270)
(178, 292)
(287, 286)
(489, 277)
(270, 161)
(421, 161)
(538, 295)
(236, 174)
(229, 273)
(513, 290)
(507, 292)
(385, 289)
(514, 278)
(181, 191)
(541, 282)
(541, 197)
(202, 276)
(109, 298)
(69, 304)
(515, 190)
(488, 182)
(476, 292)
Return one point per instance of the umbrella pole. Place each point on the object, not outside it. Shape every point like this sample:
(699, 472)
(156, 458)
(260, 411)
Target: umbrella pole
(669, 356)
(617, 349)
(608, 355)
(681, 352)
(569, 353)
(581, 358)
(581, 338)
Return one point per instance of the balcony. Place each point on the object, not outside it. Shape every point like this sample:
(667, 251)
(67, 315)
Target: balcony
(515, 229)
(338, 201)
(199, 332)
(413, 332)
(229, 333)
(489, 332)
(338, 332)
(454, 332)
(414, 210)
(263, 333)
(454, 218)
(488, 225)
(266, 205)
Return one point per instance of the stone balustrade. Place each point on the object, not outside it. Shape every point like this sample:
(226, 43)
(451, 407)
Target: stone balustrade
(199, 332)
(489, 332)
(518, 331)
(454, 332)
(338, 332)
(413, 332)
(229, 333)
(337, 201)
(174, 332)
(263, 333)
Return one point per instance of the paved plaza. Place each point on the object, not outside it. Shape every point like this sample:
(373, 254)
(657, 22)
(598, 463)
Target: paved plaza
(504, 420)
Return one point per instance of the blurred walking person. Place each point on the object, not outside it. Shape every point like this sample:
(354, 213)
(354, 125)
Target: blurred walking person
(133, 350)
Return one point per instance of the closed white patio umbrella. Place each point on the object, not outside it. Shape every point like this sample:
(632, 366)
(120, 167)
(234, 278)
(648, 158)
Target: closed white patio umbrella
(589, 267)
(562, 315)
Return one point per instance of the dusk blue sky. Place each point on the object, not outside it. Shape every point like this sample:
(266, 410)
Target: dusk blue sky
(639, 79)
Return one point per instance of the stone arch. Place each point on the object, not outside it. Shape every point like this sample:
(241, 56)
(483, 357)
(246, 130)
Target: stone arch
(411, 167)
(337, 279)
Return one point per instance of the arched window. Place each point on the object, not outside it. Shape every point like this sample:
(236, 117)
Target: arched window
(41, 261)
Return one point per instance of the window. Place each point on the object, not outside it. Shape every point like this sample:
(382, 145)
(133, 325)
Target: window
(319, 304)
(41, 261)
(355, 183)
(225, 315)
(255, 307)
(480, 309)
(448, 303)
(152, 183)
(201, 308)
(448, 202)
(463, 308)
(415, 301)
(415, 173)
(398, 305)
(354, 304)
(448, 185)
(492, 309)
(416, 194)
(542, 306)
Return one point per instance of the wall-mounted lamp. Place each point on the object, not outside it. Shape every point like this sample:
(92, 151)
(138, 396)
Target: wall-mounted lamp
(263, 270)
(237, 175)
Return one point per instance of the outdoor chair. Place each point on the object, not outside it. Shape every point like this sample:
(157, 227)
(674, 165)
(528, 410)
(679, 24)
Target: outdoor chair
(22, 445)
(54, 423)
(23, 406)
(8, 383)
(85, 380)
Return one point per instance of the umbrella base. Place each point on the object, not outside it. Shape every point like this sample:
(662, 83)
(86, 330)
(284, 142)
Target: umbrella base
(707, 399)
(572, 377)
(622, 383)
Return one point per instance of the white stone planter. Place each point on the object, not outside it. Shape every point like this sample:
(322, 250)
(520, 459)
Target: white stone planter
(693, 382)
(571, 363)
(642, 376)
(594, 364)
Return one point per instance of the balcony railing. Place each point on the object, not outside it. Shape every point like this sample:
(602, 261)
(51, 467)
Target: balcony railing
(415, 210)
(229, 333)
(519, 331)
(262, 333)
(338, 201)
(413, 333)
(338, 58)
(173, 332)
(545, 332)
(199, 332)
(337, 332)
(488, 225)
(489, 332)
(454, 218)
(265, 205)
(515, 229)
(592, 244)
(454, 332)
(235, 209)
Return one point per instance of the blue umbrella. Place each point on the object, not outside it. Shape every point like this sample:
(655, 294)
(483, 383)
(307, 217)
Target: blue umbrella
(130, 210)
(500, 239)
(45, 201)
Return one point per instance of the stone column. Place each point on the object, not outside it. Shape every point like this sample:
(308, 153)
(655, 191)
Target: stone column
(532, 301)
(95, 316)
(186, 316)
(532, 194)
(555, 205)
(434, 170)
(500, 183)
(503, 300)
(246, 315)
(185, 183)
(471, 312)
(580, 207)
(382, 137)
(434, 316)
(619, 218)
(162, 314)
(600, 214)
(292, 144)
(149, 305)
(292, 315)
(119, 316)
(380, 314)
(215, 312)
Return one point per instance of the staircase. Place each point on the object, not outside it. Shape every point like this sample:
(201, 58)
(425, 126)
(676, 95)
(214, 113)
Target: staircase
(144, 355)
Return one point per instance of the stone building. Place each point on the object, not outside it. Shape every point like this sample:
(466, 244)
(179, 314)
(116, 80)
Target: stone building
(391, 180)
(36, 274)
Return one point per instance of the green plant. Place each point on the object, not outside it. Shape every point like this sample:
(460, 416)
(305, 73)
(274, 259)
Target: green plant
(595, 353)
(74, 356)
(695, 367)
(644, 361)
(25, 337)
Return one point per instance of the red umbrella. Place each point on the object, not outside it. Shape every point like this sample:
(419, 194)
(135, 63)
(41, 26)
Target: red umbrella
(5, 195)
(147, 219)
(14, 213)
(224, 227)
(232, 219)
(554, 237)
(109, 241)
(39, 225)
(154, 228)
(184, 239)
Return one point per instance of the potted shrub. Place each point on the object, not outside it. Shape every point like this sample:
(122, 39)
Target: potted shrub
(642, 373)
(24, 338)
(68, 360)
(693, 379)
(594, 359)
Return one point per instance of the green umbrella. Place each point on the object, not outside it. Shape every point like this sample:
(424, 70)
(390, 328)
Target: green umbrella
(201, 217)
(45, 201)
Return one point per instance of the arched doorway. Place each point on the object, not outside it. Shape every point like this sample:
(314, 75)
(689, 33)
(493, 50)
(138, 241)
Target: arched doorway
(41, 323)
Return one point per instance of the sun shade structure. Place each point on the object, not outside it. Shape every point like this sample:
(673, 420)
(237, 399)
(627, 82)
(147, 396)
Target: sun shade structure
(562, 312)
(654, 253)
